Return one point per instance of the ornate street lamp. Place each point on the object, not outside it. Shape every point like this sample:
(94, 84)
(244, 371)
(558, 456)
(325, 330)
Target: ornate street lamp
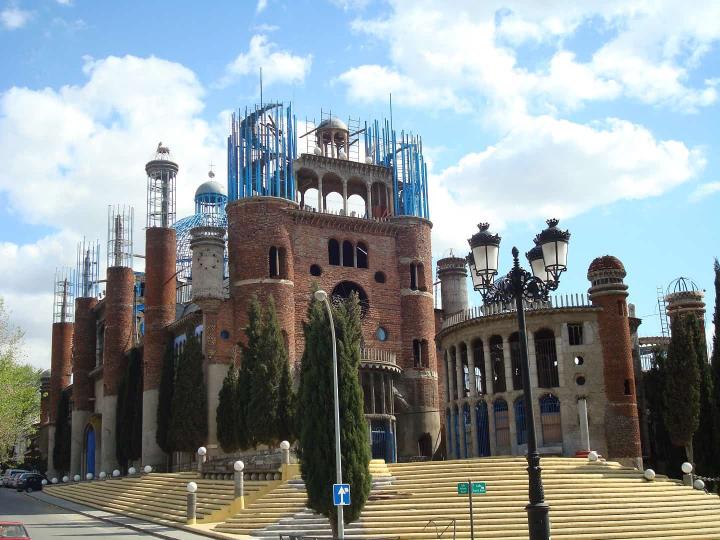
(548, 259)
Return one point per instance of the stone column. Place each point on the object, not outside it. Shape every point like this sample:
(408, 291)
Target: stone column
(584, 426)
(345, 197)
(474, 431)
(532, 360)
(489, 384)
(459, 374)
(451, 433)
(491, 429)
(450, 366)
(320, 197)
(368, 204)
(372, 393)
(507, 360)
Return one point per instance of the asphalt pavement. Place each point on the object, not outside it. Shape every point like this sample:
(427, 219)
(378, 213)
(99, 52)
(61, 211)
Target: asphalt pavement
(46, 521)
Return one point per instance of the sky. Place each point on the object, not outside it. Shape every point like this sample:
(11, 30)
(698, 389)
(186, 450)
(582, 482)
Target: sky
(601, 113)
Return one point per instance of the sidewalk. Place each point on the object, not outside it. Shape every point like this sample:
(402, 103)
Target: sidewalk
(167, 532)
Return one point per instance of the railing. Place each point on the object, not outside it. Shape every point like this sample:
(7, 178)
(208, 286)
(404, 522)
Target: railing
(341, 212)
(377, 355)
(555, 302)
(440, 533)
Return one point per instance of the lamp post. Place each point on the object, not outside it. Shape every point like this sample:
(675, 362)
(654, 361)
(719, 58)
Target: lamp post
(548, 259)
(322, 296)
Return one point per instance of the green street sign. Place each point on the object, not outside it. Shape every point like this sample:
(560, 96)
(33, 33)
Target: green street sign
(478, 488)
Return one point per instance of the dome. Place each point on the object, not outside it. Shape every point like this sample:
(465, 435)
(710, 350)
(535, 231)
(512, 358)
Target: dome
(211, 187)
(332, 123)
(606, 262)
(682, 284)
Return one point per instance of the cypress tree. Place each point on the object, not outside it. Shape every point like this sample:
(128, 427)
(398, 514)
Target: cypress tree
(704, 440)
(61, 450)
(165, 397)
(715, 364)
(316, 401)
(128, 416)
(681, 399)
(286, 406)
(245, 376)
(265, 379)
(227, 428)
(188, 420)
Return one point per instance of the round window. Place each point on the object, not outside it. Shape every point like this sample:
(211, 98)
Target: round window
(225, 334)
(580, 380)
(381, 334)
(579, 361)
(380, 277)
(315, 270)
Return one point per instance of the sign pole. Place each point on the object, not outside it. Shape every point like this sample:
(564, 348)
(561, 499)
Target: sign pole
(472, 525)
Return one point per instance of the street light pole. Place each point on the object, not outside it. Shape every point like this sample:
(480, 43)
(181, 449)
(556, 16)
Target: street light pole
(322, 296)
(548, 259)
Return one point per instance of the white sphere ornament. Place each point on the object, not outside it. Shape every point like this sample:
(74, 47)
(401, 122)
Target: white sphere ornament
(238, 466)
(317, 151)
(593, 456)
(89, 476)
(102, 475)
(687, 468)
(202, 451)
(191, 487)
(116, 473)
(369, 160)
(285, 445)
(54, 480)
(76, 477)
(147, 469)
(699, 484)
(44, 482)
(65, 479)
(649, 474)
(132, 470)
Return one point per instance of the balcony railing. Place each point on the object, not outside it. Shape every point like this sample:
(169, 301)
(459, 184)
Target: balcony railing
(377, 355)
(555, 302)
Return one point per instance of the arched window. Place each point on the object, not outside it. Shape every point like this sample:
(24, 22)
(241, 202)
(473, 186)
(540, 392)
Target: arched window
(467, 431)
(348, 253)
(344, 289)
(550, 420)
(361, 255)
(420, 269)
(502, 424)
(482, 428)
(520, 426)
(515, 362)
(333, 252)
(420, 353)
(465, 369)
(274, 258)
(547, 364)
(479, 359)
(413, 277)
(497, 361)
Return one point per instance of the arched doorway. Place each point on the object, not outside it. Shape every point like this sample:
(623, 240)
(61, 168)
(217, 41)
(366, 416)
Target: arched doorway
(90, 450)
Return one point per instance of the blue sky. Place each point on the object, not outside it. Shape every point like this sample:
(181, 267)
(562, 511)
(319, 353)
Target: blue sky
(601, 113)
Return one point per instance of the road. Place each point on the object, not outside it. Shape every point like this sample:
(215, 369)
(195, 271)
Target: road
(44, 521)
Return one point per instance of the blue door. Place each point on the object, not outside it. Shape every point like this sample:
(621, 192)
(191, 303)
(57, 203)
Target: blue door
(90, 451)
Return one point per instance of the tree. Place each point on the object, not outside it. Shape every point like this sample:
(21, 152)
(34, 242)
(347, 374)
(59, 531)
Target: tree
(248, 365)
(316, 401)
(19, 387)
(188, 419)
(715, 365)
(681, 399)
(265, 378)
(165, 398)
(226, 415)
(128, 418)
(61, 450)
(286, 406)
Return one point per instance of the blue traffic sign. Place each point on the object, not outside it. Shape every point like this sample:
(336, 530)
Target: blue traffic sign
(341, 494)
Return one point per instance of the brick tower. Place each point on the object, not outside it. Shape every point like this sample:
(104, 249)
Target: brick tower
(452, 273)
(61, 355)
(609, 292)
(160, 282)
(119, 304)
(684, 297)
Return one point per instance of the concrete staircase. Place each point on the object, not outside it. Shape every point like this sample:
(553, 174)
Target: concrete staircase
(589, 501)
(158, 497)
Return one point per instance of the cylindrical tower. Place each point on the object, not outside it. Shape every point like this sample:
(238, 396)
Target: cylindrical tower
(452, 273)
(119, 325)
(609, 292)
(419, 430)
(208, 254)
(684, 297)
(261, 261)
(160, 260)
(84, 342)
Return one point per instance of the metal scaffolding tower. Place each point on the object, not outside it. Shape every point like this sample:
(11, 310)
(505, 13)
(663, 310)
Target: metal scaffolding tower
(120, 236)
(87, 269)
(64, 297)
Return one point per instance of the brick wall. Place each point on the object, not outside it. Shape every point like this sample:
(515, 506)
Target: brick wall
(84, 353)
(60, 364)
(118, 326)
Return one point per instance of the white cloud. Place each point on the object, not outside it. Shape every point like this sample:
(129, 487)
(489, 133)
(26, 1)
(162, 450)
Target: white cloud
(65, 2)
(68, 153)
(261, 5)
(278, 66)
(472, 51)
(555, 168)
(13, 17)
(704, 190)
